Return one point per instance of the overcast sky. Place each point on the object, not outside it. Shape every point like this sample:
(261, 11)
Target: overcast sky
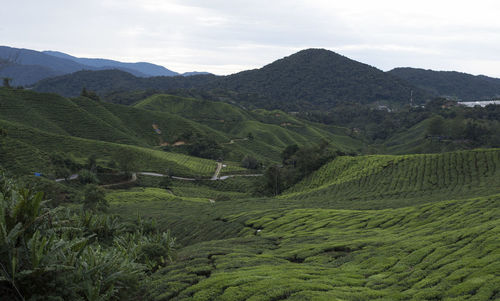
(227, 36)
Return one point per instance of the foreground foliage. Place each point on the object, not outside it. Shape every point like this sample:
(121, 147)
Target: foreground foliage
(52, 254)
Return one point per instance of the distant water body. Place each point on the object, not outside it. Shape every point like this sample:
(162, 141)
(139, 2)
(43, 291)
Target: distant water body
(479, 103)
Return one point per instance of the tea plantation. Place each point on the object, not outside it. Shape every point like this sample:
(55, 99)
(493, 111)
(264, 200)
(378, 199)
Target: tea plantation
(413, 227)
(348, 227)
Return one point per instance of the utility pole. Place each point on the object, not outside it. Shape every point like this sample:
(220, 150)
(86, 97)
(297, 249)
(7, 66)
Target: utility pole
(411, 99)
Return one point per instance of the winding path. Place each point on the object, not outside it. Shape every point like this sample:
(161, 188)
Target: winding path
(215, 177)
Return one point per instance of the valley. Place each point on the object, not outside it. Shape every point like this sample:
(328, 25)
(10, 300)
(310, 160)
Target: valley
(312, 178)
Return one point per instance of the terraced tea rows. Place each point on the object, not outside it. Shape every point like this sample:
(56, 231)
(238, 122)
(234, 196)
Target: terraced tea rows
(177, 118)
(41, 144)
(426, 177)
(442, 251)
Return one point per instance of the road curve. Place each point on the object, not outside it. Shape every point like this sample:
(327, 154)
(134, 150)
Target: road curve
(217, 172)
(215, 177)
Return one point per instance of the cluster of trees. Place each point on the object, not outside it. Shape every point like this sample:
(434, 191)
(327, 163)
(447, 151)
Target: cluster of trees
(297, 163)
(250, 162)
(478, 124)
(198, 146)
(459, 128)
(205, 147)
(55, 254)
(64, 166)
(90, 94)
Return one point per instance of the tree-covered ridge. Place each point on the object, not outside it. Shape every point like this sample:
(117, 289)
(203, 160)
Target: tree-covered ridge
(307, 80)
(458, 85)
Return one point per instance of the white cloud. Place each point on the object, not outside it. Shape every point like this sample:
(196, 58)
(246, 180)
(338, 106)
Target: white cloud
(224, 36)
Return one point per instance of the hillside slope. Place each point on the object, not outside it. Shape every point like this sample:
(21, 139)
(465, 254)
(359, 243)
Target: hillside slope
(381, 181)
(151, 125)
(86, 118)
(26, 150)
(442, 251)
(272, 131)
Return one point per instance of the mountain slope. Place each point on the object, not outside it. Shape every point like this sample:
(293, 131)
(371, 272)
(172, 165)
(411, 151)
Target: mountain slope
(318, 77)
(26, 66)
(32, 57)
(449, 83)
(23, 75)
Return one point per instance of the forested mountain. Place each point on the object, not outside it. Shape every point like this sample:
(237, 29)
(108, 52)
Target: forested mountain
(309, 79)
(318, 77)
(458, 85)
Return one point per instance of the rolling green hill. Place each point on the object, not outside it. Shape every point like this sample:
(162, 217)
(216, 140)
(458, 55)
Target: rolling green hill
(177, 119)
(378, 181)
(272, 130)
(26, 150)
(85, 118)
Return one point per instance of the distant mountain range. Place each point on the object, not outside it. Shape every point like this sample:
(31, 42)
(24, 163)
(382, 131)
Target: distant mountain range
(310, 79)
(26, 67)
(452, 84)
